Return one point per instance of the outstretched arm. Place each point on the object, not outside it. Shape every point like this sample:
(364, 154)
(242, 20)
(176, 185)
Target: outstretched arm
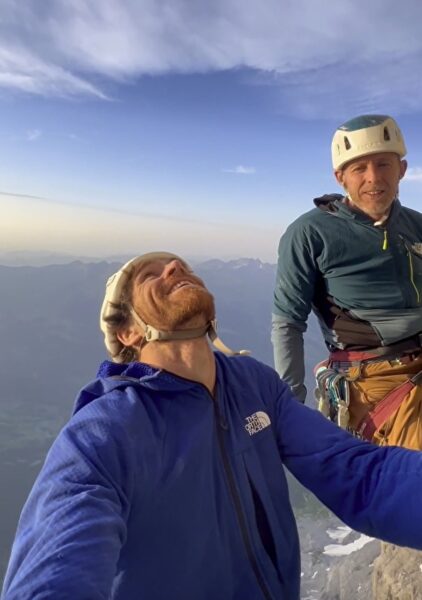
(74, 522)
(376, 490)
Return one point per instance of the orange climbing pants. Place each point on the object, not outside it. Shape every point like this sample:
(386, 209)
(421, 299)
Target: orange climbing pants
(370, 382)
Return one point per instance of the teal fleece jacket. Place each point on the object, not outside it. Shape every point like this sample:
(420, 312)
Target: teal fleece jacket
(373, 271)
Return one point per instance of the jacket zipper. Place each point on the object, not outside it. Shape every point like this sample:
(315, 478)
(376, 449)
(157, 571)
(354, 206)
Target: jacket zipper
(222, 426)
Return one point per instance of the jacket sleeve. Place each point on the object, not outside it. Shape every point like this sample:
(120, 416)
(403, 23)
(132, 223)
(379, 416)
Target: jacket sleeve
(375, 490)
(297, 272)
(74, 522)
(287, 340)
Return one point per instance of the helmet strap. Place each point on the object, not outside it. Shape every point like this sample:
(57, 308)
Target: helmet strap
(151, 334)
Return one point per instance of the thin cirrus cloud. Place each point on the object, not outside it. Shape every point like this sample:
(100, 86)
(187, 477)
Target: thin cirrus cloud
(320, 57)
(21, 70)
(241, 170)
(33, 134)
(414, 174)
(31, 222)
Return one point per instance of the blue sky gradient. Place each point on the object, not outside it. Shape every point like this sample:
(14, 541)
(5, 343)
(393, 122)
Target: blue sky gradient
(201, 127)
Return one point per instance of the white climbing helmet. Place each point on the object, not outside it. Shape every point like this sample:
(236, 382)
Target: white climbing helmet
(112, 309)
(366, 134)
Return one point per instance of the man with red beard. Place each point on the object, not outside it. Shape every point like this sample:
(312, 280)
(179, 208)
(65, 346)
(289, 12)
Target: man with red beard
(168, 480)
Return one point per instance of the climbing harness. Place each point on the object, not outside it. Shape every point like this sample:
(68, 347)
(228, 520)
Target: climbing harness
(333, 390)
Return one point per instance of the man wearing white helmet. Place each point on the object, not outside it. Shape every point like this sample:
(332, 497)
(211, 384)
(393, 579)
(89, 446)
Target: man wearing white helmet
(356, 261)
(168, 480)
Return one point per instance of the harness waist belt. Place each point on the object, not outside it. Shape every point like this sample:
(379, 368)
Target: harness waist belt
(392, 351)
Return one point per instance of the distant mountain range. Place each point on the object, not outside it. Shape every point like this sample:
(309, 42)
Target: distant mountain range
(39, 258)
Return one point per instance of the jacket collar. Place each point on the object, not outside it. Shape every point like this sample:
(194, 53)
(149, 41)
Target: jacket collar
(335, 205)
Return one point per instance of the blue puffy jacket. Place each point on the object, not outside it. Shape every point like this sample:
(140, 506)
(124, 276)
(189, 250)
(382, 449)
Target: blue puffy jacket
(155, 490)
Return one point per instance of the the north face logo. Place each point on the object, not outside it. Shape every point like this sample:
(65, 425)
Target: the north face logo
(256, 422)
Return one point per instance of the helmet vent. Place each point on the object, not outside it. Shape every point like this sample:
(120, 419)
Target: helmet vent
(347, 144)
(386, 135)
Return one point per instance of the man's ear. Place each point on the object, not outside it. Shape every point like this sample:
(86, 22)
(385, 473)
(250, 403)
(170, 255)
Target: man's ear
(129, 336)
(403, 168)
(339, 176)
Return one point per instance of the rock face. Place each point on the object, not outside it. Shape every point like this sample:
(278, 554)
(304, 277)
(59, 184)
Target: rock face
(337, 562)
(397, 574)
(341, 564)
(350, 577)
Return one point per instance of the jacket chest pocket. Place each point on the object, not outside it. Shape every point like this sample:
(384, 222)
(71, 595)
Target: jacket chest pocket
(415, 251)
(415, 264)
(414, 257)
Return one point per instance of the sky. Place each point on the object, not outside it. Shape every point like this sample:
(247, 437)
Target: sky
(202, 127)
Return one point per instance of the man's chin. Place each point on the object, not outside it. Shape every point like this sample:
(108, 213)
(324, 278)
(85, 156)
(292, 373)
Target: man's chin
(189, 308)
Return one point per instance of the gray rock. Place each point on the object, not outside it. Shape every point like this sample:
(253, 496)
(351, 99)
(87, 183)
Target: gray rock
(397, 574)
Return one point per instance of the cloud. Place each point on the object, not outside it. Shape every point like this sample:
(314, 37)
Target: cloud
(25, 196)
(74, 137)
(33, 134)
(21, 69)
(320, 57)
(241, 170)
(414, 174)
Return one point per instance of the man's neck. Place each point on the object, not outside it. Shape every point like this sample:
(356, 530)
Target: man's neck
(191, 359)
(379, 219)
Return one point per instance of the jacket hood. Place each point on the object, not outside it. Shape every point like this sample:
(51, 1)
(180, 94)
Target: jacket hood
(117, 375)
(328, 202)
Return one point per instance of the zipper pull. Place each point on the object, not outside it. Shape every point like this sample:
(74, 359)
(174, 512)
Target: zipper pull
(385, 243)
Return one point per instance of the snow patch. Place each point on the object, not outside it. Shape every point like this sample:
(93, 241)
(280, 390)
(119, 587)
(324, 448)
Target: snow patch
(339, 533)
(339, 550)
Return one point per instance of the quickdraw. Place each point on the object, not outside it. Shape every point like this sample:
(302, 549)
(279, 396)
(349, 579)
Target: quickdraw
(332, 394)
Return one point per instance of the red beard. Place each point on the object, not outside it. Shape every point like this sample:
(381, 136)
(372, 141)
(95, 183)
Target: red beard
(185, 308)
